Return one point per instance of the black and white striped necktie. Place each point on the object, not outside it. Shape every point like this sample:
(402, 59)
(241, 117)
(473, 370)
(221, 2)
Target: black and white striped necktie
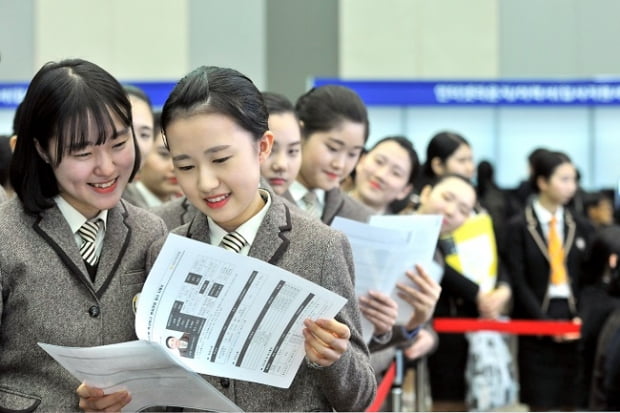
(88, 231)
(233, 241)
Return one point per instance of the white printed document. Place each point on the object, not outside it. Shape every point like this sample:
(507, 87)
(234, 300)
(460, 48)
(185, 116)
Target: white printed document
(146, 370)
(225, 314)
(385, 248)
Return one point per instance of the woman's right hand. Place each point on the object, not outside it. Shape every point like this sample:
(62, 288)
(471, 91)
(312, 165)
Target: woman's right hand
(93, 399)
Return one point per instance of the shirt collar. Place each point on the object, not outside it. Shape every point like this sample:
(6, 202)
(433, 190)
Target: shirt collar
(298, 190)
(74, 218)
(248, 229)
(544, 216)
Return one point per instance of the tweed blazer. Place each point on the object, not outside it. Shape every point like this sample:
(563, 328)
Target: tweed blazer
(176, 212)
(339, 204)
(46, 296)
(528, 261)
(298, 243)
(3, 196)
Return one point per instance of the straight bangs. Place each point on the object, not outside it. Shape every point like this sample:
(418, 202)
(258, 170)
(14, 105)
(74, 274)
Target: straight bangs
(89, 118)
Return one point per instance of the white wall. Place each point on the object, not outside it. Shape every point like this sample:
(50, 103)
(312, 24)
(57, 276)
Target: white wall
(418, 39)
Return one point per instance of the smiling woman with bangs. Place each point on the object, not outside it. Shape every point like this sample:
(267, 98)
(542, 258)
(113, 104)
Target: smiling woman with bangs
(72, 258)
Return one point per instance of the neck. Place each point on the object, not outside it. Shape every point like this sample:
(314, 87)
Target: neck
(548, 204)
(355, 194)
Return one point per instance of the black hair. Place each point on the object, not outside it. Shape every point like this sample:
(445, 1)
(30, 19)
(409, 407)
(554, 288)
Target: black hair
(156, 123)
(441, 146)
(485, 177)
(593, 199)
(407, 145)
(325, 107)
(536, 152)
(439, 179)
(277, 104)
(5, 159)
(605, 243)
(210, 89)
(136, 92)
(17, 117)
(65, 100)
(545, 164)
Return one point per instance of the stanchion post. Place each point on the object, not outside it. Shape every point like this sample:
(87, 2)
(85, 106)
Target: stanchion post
(420, 384)
(396, 399)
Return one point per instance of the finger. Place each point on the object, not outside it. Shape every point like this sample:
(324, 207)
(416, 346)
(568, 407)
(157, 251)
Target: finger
(317, 351)
(387, 313)
(382, 298)
(86, 391)
(335, 327)
(111, 402)
(379, 318)
(323, 338)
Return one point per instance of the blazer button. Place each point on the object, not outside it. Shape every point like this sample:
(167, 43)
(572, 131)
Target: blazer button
(225, 382)
(94, 311)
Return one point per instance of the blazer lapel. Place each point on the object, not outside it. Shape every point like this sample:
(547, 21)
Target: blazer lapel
(272, 237)
(333, 203)
(117, 236)
(569, 231)
(535, 229)
(54, 229)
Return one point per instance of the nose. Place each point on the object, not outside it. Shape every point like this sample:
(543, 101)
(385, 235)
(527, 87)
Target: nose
(105, 164)
(207, 180)
(449, 209)
(338, 161)
(278, 163)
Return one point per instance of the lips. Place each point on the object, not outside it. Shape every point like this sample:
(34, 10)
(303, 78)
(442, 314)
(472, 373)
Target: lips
(332, 176)
(374, 185)
(277, 181)
(105, 187)
(217, 201)
(172, 180)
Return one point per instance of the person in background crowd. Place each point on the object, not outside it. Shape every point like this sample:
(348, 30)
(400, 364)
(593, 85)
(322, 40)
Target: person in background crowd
(545, 252)
(282, 166)
(599, 209)
(158, 183)
(598, 299)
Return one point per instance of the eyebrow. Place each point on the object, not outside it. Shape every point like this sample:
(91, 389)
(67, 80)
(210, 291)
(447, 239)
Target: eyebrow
(120, 132)
(339, 142)
(214, 149)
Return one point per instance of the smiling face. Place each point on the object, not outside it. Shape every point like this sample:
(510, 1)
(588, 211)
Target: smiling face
(93, 178)
(328, 157)
(217, 164)
(382, 175)
(282, 166)
(453, 198)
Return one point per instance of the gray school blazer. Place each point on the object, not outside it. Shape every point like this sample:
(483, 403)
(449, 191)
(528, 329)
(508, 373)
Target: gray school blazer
(47, 296)
(3, 196)
(302, 245)
(176, 212)
(340, 204)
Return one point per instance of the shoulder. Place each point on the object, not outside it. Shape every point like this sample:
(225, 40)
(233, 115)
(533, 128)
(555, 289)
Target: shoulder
(139, 217)
(350, 208)
(12, 214)
(133, 195)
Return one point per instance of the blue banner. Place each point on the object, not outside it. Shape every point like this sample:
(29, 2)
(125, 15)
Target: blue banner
(482, 93)
(422, 93)
(11, 94)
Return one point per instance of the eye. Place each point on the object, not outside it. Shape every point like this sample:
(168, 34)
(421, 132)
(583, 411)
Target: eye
(184, 168)
(355, 154)
(120, 144)
(293, 152)
(331, 148)
(221, 160)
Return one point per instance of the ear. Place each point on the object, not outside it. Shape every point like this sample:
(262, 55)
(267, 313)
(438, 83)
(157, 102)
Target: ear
(264, 146)
(41, 152)
(13, 142)
(437, 166)
(542, 184)
(405, 191)
(613, 261)
(425, 195)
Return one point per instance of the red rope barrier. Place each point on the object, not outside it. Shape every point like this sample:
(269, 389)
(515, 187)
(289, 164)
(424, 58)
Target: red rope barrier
(383, 390)
(522, 327)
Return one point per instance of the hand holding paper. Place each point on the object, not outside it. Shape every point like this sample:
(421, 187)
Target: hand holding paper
(423, 297)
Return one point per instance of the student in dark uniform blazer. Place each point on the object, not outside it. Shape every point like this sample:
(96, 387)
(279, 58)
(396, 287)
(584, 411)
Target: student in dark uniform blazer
(545, 288)
(334, 125)
(74, 156)
(215, 124)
